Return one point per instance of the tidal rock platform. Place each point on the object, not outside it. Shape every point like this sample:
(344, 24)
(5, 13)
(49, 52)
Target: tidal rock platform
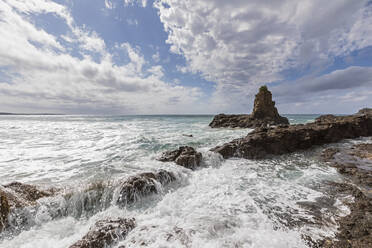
(290, 138)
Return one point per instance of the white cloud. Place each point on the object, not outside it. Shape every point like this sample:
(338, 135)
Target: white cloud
(241, 44)
(132, 22)
(44, 76)
(109, 4)
(156, 56)
(142, 3)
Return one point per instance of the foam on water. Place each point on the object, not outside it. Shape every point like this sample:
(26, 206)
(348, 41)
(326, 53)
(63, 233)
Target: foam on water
(66, 149)
(232, 203)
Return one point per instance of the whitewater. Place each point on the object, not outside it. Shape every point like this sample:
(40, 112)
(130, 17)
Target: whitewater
(224, 203)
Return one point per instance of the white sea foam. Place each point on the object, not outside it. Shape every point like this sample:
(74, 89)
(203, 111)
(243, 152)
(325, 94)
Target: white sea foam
(224, 203)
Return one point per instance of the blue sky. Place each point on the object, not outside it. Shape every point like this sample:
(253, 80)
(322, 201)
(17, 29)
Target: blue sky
(184, 57)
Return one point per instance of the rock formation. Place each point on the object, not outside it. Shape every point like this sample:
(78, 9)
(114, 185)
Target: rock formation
(185, 156)
(289, 138)
(18, 195)
(105, 233)
(142, 185)
(264, 113)
(365, 111)
(355, 162)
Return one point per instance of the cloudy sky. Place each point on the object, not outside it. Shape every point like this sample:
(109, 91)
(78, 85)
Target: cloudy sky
(184, 56)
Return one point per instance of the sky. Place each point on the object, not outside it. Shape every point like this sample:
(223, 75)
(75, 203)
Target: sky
(184, 56)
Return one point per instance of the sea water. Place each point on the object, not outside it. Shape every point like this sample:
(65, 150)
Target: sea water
(224, 203)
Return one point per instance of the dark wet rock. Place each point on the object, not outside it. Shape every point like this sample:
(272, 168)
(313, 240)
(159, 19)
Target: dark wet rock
(105, 233)
(142, 185)
(355, 162)
(329, 153)
(289, 138)
(232, 121)
(185, 156)
(355, 229)
(21, 195)
(16, 196)
(264, 113)
(4, 210)
(326, 118)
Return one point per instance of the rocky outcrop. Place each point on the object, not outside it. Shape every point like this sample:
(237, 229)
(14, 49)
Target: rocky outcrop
(264, 108)
(105, 233)
(18, 195)
(355, 229)
(185, 156)
(142, 185)
(354, 162)
(19, 202)
(21, 195)
(289, 138)
(264, 113)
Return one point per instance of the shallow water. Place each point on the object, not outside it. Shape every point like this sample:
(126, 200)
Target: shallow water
(225, 203)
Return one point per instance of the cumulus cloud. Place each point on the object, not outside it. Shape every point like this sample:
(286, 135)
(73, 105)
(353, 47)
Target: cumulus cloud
(42, 74)
(242, 44)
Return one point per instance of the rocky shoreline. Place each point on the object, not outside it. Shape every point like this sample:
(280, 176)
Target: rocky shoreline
(284, 139)
(354, 162)
(15, 197)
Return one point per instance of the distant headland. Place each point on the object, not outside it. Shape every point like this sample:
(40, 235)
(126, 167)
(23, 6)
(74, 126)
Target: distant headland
(6, 113)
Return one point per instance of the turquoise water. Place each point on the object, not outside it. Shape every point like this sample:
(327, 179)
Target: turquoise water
(224, 203)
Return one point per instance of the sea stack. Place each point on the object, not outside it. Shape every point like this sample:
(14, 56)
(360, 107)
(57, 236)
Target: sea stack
(264, 114)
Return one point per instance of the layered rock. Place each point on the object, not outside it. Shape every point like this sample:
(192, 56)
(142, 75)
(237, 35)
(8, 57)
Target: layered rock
(289, 138)
(264, 113)
(142, 185)
(185, 156)
(105, 233)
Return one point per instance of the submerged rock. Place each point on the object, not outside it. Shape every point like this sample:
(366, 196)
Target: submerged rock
(142, 185)
(264, 113)
(185, 156)
(354, 162)
(289, 138)
(105, 233)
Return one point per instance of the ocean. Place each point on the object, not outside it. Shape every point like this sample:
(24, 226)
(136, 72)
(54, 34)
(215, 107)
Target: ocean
(224, 203)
